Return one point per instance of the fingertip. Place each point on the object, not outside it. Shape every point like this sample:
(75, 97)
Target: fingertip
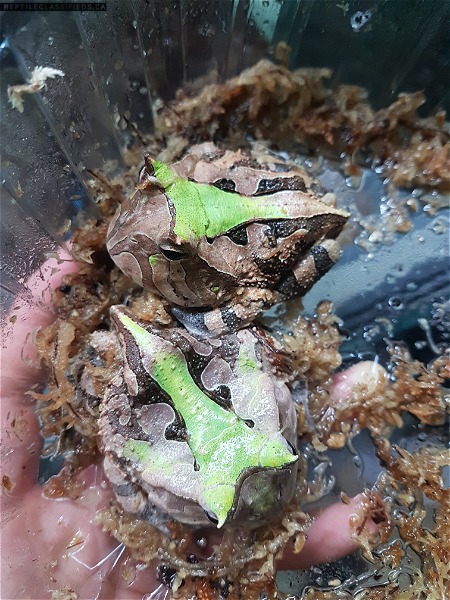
(19, 425)
(369, 374)
(331, 535)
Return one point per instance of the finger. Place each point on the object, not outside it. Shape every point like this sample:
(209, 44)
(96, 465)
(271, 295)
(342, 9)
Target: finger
(367, 372)
(19, 437)
(31, 309)
(329, 537)
(51, 544)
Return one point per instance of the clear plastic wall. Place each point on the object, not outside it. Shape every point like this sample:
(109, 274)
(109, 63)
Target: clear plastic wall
(118, 63)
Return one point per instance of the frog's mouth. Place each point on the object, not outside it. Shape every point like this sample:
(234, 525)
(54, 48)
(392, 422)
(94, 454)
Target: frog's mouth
(262, 494)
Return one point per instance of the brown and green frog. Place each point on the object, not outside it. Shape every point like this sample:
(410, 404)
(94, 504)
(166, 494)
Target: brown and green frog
(201, 429)
(215, 234)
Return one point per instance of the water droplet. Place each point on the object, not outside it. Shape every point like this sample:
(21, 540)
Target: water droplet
(376, 237)
(439, 226)
(359, 19)
(393, 576)
(201, 542)
(395, 302)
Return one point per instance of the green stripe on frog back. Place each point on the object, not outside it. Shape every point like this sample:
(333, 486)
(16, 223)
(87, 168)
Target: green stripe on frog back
(204, 210)
(221, 443)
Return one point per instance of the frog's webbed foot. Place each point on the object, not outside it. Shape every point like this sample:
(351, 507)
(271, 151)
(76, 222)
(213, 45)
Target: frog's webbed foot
(229, 318)
(318, 261)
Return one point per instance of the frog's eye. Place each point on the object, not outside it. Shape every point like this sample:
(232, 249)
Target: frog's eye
(292, 448)
(212, 517)
(173, 252)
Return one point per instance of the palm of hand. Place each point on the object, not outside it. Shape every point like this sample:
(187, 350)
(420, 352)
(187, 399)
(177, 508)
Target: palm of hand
(50, 545)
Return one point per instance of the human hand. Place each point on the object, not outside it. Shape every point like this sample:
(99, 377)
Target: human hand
(52, 545)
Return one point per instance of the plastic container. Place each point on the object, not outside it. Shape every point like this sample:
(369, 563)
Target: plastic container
(117, 64)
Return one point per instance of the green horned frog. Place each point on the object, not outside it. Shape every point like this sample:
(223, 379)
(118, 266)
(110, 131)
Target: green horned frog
(216, 233)
(202, 430)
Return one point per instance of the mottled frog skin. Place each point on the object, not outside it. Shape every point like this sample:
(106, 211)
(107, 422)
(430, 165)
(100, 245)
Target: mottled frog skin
(214, 232)
(197, 423)
(201, 429)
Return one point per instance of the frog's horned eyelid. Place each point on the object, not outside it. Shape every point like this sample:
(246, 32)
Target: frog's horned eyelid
(145, 178)
(149, 165)
(142, 174)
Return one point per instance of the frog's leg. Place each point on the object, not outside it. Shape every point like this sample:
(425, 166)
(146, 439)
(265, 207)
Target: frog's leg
(252, 301)
(309, 269)
(230, 317)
